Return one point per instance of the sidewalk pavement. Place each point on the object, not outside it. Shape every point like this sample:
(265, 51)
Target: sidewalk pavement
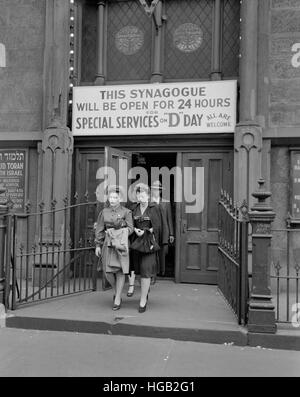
(183, 312)
(33, 353)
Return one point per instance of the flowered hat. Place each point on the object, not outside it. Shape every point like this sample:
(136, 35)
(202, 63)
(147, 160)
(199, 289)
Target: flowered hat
(116, 189)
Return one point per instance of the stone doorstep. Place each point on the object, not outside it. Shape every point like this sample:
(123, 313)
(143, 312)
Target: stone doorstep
(240, 337)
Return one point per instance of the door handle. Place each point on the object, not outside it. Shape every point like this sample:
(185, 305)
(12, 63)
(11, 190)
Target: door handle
(184, 227)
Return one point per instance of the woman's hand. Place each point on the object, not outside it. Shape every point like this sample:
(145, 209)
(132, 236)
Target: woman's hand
(139, 232)
(98, 251)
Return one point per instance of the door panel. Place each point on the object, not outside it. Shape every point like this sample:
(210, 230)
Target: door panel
(199, 231)
(87, 166)
(120, 162)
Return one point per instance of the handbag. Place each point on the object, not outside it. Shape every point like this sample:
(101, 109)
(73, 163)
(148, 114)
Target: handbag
(145, 243)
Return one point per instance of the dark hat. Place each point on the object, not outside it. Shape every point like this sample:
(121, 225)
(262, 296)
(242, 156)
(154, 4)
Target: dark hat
(157, 185)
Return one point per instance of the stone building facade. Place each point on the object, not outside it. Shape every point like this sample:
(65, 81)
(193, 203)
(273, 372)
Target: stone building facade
(49, 46)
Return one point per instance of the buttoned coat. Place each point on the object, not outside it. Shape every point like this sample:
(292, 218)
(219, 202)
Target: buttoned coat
(115, 218)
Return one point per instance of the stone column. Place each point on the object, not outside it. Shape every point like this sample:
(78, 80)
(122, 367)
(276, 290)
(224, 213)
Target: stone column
(248, 134)
(261, 308)
(248, 60)
(56, 60)
(100, 78)
(56, 159)
(217, 40)
(3, 212)
(57, 145)
(157, 61)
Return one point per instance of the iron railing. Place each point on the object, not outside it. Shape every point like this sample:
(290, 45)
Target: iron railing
(49, 256)
(285, 273)
(233, 250)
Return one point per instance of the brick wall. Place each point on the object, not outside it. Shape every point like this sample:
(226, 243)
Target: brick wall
(284, 68)
(22, 31)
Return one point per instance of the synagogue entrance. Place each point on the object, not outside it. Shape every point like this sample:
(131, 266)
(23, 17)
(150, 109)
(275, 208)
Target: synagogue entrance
(197, 176)
(161, 167)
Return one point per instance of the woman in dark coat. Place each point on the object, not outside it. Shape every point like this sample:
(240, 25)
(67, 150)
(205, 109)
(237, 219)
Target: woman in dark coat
(149, 234)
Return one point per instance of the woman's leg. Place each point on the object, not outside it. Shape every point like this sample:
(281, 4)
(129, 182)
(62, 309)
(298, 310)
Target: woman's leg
(119, 286)
(112, 281)
(145, 285)
(131, 280)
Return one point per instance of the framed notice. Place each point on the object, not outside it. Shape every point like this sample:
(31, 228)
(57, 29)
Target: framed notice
(148, 109)
(295, 186)
(13, 176)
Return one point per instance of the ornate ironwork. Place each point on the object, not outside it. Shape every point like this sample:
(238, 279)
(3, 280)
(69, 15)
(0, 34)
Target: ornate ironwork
(233, 250)
(51, 265)
(188, 37)
(285, 277)
(129, 40)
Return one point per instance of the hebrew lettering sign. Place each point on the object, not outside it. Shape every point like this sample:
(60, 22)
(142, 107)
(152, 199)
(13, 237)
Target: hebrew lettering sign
(13, 170)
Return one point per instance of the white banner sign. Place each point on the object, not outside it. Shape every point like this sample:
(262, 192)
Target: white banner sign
(179, 108)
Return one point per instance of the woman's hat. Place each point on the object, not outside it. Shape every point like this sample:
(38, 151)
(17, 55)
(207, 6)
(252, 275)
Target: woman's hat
(157, 185)
(142, 187)
(116, 189)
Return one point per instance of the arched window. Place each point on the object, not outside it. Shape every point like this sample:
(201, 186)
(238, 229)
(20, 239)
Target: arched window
(2, 56)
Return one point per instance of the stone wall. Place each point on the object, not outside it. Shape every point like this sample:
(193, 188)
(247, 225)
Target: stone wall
(22, 32)
(284, 63)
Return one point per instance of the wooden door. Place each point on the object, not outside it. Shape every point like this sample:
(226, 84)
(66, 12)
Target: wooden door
(199, 231)
(117, 166)
(87, 166)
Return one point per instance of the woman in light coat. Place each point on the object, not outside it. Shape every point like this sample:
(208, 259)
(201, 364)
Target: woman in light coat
(114, 226)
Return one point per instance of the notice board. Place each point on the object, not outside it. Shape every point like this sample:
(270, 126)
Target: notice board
(13, 176)
(295, 184)
(147, 109)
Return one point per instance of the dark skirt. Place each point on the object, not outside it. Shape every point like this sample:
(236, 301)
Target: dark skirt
(143, 264)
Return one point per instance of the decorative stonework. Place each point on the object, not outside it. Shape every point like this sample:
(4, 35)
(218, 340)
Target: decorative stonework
(149, 6)
(129, 40)
(262, 228)
(188, 37)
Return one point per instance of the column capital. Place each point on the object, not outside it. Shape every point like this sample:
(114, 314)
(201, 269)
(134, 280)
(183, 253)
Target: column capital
(59, 138)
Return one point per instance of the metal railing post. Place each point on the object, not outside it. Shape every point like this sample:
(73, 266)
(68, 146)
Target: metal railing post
(243, 256)
(261, 307)
(3, 213)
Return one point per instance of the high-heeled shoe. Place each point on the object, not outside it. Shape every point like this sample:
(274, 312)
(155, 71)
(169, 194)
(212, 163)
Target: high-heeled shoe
(130, 294)
(117, 307)
(142, 309)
